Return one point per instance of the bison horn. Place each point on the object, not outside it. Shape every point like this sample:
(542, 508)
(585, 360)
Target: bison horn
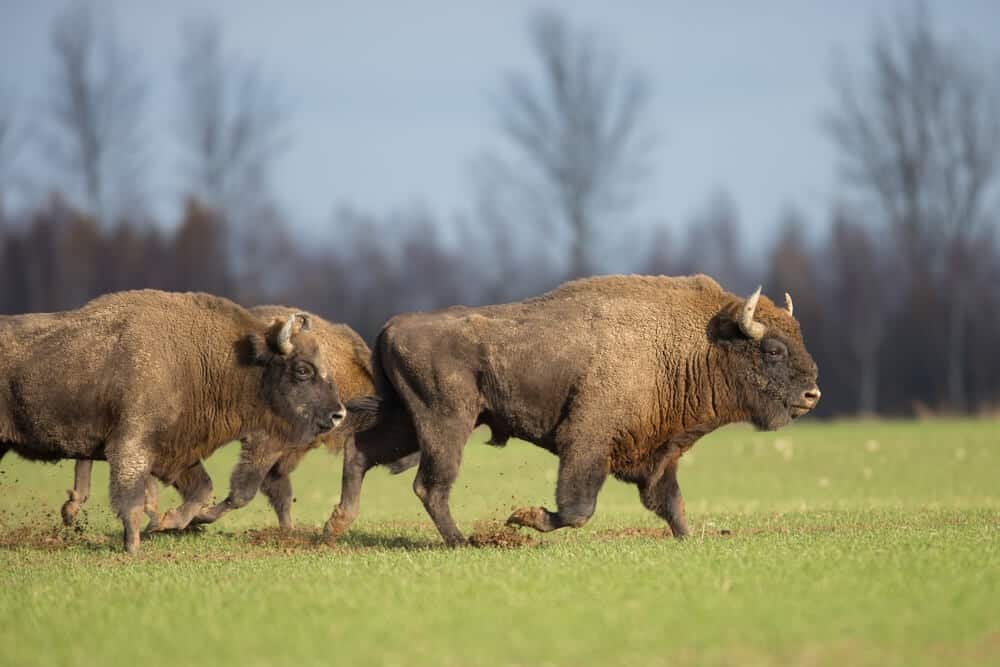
(788, 304)
(285, 335)
(748, 326)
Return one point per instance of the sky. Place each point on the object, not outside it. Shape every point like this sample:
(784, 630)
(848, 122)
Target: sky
(390, 101)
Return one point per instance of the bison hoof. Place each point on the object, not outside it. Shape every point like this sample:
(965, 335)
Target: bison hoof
(69, 511)
(337, 524)
(167, 521)
(71, 507)
(529, 517)
(332, 530)
(154, 523)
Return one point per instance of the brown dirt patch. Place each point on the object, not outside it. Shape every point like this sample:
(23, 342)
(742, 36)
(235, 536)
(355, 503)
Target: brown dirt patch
(499, 536)
(278, 539)
(50, 539)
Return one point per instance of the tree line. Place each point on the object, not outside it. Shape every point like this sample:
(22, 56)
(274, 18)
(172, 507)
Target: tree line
(896, 289)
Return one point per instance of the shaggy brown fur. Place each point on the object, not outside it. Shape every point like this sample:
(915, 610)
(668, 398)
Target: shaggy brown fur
(349, 360)
(615, 374)
(153, 382)
(350, 363)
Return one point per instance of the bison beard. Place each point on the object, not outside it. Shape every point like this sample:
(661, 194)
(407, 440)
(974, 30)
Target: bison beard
(615, 375)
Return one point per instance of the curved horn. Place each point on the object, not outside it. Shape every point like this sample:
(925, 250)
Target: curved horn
(284, 341)
(788, 304)
(285, 335)
(747, 324)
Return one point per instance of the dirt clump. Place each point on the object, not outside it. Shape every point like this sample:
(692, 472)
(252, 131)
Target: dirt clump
(499, 536)
(283, 539)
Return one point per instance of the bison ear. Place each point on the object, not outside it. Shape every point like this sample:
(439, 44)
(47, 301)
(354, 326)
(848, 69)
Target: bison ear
(724, 328)
(262, 348)
(259, 351)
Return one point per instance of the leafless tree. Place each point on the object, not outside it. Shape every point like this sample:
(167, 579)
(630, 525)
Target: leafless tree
(577, 136)
(715, 243)
(97, 107)
(858, 280)
(919, 137)
(792, 268)
(232, 124)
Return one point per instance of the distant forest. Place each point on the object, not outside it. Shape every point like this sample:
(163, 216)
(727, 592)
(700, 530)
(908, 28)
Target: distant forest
(897, 290)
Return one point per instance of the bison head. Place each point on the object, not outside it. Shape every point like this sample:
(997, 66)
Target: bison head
(296, 383)
(767, 362)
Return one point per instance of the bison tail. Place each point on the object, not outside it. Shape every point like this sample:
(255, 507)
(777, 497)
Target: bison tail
(404, 464)
(363, 413)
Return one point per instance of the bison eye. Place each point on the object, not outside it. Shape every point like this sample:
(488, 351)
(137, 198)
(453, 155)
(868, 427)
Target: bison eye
(774, 349)
(303, 371)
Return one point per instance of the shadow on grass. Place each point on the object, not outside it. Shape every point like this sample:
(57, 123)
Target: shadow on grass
(356, 539)
(304, 539)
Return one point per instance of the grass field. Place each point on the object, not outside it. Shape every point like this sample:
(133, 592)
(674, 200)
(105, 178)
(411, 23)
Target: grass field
(854, 543)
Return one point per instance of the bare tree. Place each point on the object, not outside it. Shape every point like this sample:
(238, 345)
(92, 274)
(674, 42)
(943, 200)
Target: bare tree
(919, 136)
(858, 281)
(579, 135)
(232, 124)
(200, 253)
(715, 245)
(97, 107)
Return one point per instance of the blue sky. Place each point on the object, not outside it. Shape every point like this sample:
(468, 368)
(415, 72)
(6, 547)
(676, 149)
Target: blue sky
(390, 101)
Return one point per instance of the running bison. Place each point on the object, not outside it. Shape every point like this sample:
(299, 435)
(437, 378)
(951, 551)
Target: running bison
(615, 374)
(153, 382)
(349, 361)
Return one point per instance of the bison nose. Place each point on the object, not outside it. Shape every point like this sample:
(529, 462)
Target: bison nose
(338, 415)
(811, 397)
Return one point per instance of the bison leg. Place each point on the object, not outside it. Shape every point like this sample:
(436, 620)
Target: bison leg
(277, 486)
(80, 492)
(256, 459)
(130, 468)
(662, 494)
(195, 487)
(581, 476)
(393, 440)
(151, 503)
(440, 458)
(278, 489)
(357, 462)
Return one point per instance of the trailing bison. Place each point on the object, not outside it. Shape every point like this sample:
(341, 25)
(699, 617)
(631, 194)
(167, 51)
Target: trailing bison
(153, 382)
(614, 375)
(349, 361)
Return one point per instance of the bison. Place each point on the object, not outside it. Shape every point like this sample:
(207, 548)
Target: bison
(155, 381)
(349, 361)
(614, 375)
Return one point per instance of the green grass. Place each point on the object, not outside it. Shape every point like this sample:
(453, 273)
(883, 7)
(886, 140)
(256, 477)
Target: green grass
(853, 543)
